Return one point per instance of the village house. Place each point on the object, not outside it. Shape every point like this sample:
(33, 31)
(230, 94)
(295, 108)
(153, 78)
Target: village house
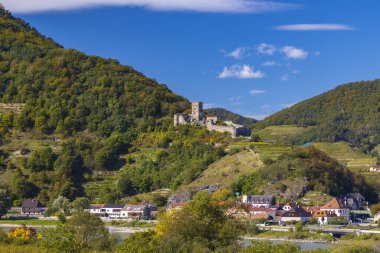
(237, 212)
(269, 211)
(32, 207)
(139, 211)
(374, 169)
(112, 211)
(258, 200)
(95, 209)
(336, 206)
(294, 213)
(323, 217)
(311, 209)
(354, 201)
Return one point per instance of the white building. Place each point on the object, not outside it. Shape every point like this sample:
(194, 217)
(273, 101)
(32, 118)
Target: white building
(294, 213)
(112, 211)
(95, 209)
(335, 206)
(258, 200)
(324, 217)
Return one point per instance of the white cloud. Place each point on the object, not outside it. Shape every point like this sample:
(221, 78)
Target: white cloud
(241, 72)
(257, 92)
(315, 27)
(221, 6)
(266, 49)
(269, 64)
(285, 77)
(238, 53)
(292, 52)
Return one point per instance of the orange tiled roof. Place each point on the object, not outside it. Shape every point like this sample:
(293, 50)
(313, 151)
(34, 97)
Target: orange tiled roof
(332, 204)
(323, 214)
(260, 216)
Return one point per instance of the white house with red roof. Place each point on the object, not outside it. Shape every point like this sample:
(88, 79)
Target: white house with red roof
(323, 217)
(270, 211)
(335, 206)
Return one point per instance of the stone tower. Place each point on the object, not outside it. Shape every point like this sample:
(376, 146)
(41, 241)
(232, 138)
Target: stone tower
(197, 111)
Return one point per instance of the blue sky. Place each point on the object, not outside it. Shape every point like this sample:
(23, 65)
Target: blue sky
(252, 57)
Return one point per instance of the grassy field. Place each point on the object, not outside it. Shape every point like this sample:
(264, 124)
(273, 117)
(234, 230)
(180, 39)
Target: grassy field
(281, 134)
(6, 248)
(228, 169)
(347, 155)
(29, 222)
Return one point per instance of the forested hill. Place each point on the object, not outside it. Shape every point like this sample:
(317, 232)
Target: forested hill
(224, 115)
(350, 112)
(66, 91)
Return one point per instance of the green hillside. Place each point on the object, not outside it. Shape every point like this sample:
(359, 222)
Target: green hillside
(347, 155)
(304, 169)
(76, 125)
(227, 170)
(226, 115)
(349, 113)
(65, 91)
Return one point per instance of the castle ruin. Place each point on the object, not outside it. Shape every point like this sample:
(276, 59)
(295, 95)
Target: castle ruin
(197, 118)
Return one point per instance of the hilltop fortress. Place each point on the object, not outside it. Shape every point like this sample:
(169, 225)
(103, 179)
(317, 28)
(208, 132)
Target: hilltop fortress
(211, 122)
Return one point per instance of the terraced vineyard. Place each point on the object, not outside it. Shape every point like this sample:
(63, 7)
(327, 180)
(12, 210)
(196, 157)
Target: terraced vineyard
(347, 155)
(281, 134)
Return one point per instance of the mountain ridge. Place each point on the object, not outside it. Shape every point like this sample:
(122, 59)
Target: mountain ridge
(349, 112)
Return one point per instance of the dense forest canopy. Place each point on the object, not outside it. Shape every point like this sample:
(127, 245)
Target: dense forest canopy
(349, 112)
(66, 91)
(321, 172)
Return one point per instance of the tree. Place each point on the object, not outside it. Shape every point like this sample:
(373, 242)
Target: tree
(61, 239)
(23, 233)
(90, 231)
(5, 202)
(200, 222)
(139, 243)
(81, 203)
(124, 186)
(21, 187)
(61, 204)
(41, 159)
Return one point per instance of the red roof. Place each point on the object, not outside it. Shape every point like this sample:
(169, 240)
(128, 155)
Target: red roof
(262, 209)
(323, 214)
(333, 204)
(260, 216)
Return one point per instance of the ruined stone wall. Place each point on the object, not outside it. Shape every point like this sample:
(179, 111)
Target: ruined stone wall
(223, 129)
(180, 119)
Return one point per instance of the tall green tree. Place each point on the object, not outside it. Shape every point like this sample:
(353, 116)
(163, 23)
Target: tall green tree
(5, 202)
(90, 231)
